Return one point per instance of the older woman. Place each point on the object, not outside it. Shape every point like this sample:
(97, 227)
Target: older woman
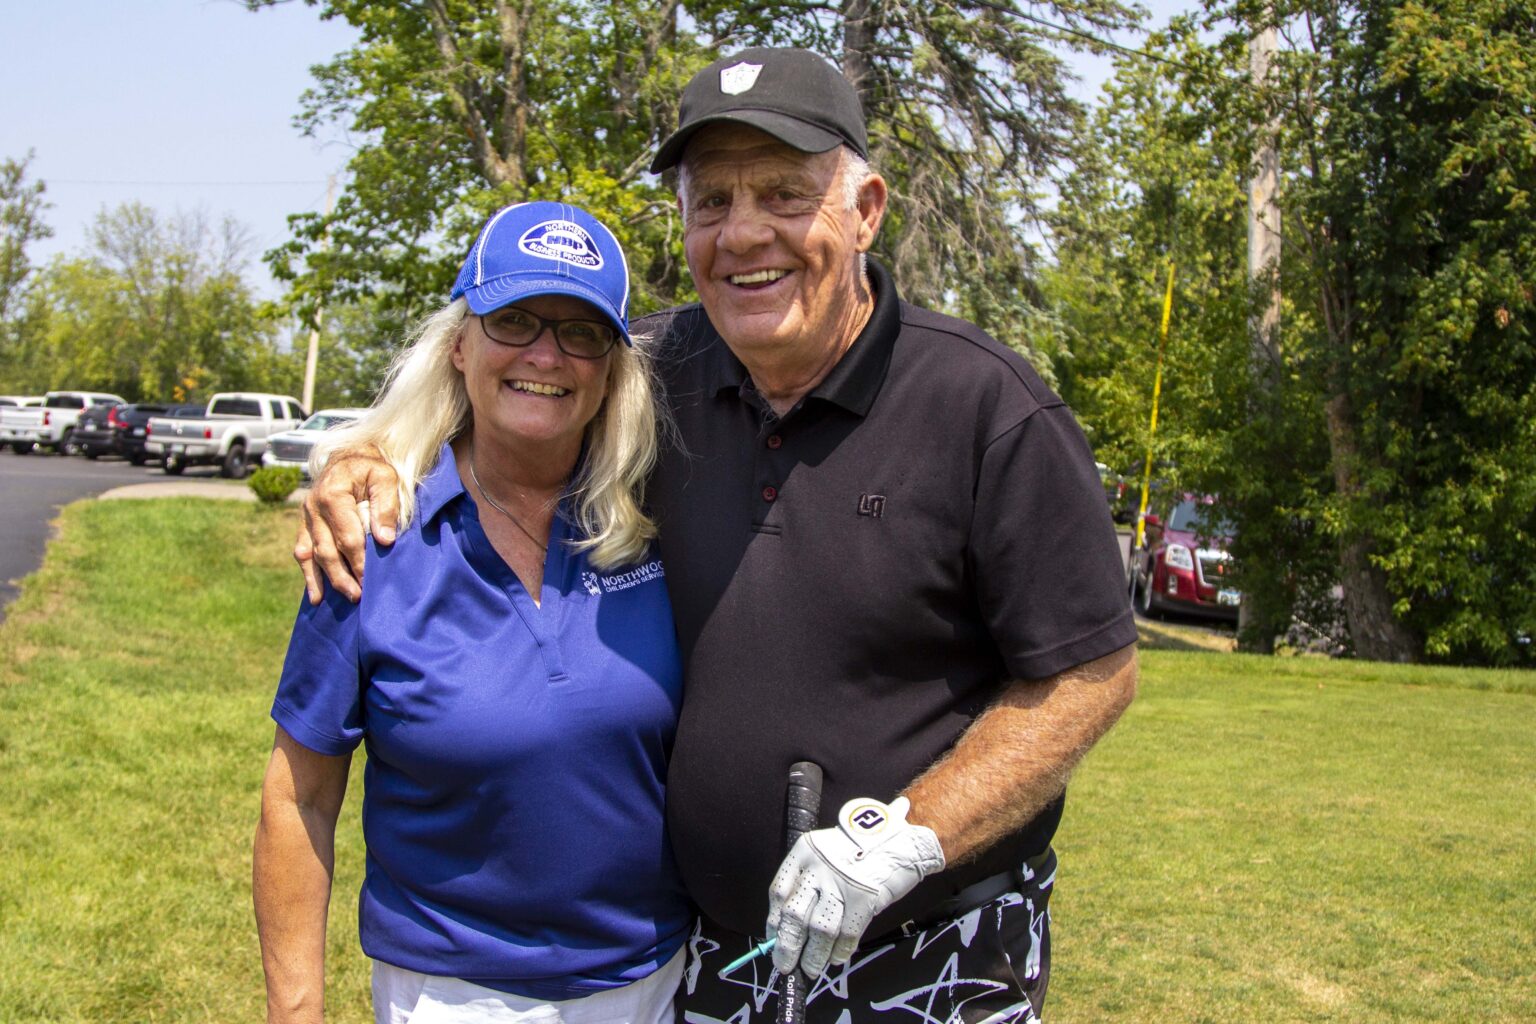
(511, 668)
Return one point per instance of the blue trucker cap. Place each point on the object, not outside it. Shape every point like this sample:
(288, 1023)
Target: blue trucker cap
(545, 248)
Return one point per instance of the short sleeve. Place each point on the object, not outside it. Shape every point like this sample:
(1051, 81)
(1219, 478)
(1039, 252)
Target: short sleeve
(1050, 580)
(319, 697)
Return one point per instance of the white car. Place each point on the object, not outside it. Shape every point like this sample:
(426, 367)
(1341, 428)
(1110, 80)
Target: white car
(50, 425)
(232, 433)
(292, 447)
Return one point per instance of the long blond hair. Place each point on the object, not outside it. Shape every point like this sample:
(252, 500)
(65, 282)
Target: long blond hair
(424, 404)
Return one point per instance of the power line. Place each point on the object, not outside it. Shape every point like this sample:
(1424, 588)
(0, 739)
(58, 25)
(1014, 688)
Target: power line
(178, 184)
(1066, 30)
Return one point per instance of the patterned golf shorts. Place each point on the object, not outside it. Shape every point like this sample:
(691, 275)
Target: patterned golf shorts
(988, 966)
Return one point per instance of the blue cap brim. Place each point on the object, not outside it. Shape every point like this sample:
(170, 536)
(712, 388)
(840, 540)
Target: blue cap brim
(503, 291)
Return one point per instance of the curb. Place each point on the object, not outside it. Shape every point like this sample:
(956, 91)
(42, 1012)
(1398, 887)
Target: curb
(231, 491)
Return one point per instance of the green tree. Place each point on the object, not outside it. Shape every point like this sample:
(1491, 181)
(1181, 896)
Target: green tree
(1161, 182)
(21, 225)
(1151, 187)
(464, 105)
(1384, 440)
(155, 308)
(1409, 127)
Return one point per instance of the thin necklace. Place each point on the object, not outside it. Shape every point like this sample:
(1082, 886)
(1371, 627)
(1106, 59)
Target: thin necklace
(497, 505)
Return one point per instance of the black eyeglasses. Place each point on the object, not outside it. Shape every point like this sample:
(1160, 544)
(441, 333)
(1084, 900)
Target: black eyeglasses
(581, 339)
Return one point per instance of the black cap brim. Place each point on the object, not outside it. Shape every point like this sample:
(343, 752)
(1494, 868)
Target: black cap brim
(793, 132)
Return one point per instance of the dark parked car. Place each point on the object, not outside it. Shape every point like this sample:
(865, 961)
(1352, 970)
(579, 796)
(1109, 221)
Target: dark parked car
(117, 430)
(95, 433)
(1184, 564)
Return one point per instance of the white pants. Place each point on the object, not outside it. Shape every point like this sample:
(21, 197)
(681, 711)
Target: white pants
(406, 997)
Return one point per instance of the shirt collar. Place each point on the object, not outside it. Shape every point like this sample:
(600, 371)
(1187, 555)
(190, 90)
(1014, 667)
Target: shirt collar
(439, 487)
(855, 380)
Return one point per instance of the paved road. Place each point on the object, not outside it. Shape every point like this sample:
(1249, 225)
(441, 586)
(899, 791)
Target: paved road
(34, 487)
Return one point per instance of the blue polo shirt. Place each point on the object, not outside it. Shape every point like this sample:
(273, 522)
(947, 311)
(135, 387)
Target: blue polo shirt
(517, 753)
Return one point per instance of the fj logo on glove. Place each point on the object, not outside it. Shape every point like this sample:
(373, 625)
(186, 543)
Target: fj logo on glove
(867, 821)
(868, 818)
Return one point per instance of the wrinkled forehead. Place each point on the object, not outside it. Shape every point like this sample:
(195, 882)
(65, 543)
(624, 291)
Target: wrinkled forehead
(732, 148)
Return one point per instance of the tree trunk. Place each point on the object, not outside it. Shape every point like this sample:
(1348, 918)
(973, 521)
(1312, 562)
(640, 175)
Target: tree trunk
(1255, 630)
(501, 160)
(858, 41)
(1257, 620)
(1376, 632)
(507, 164)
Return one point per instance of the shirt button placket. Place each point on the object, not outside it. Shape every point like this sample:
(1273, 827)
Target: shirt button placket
(772, 471)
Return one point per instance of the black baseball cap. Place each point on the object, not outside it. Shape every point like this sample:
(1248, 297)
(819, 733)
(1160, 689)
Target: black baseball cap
(794, 95)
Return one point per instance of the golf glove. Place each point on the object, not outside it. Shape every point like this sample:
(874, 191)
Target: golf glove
(835, 880)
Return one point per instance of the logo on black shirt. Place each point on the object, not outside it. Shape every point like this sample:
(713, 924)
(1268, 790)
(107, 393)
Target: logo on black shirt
(872, 505)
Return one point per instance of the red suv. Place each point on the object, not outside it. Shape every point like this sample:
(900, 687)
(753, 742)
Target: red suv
(1185, 564)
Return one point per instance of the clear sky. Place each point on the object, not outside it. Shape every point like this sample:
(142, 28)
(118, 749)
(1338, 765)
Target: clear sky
(188, 104)
(180, 104)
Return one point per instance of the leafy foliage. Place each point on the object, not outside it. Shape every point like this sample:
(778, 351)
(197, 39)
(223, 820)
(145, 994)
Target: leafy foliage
(465, 105)
(273, 484)
(1384, 441)
(1128, 211)
(156, 308)
(21, 224)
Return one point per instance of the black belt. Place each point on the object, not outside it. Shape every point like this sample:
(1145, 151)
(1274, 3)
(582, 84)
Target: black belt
(977, 894)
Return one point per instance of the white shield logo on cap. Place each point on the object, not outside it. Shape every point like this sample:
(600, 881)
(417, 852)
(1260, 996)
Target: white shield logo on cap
(738, 78)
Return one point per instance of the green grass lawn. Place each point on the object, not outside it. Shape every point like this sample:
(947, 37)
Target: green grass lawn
(1260, 840)
(136, 671)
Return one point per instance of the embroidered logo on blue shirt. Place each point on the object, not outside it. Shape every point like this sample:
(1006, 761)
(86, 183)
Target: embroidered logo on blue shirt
(562, 240)
(597, 585)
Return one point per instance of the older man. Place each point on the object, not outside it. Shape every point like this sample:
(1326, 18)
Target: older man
(888, 553)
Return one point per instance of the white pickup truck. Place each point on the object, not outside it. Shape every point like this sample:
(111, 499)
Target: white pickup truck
(51, 424)
(232, 433)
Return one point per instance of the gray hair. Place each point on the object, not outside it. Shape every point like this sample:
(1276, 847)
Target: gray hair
(424, 404)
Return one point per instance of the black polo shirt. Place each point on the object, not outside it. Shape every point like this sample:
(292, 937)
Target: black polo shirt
(854, 583)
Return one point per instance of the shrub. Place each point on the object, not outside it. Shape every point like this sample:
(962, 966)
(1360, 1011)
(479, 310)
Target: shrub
(273, 484)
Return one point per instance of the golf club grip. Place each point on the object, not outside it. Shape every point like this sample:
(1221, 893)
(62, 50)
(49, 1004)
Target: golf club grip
(802, 801)
(802, 808)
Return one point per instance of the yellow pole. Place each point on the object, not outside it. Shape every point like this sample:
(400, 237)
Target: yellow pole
(1157, 394)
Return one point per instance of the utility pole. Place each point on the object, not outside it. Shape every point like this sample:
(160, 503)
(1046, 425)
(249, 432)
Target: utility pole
(1263, 269)
(1263, 210)
(312, 360)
